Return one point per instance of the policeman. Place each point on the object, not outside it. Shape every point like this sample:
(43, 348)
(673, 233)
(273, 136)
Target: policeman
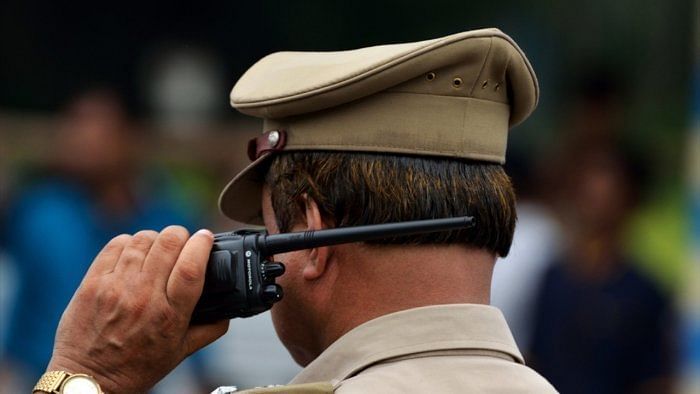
(381, 134)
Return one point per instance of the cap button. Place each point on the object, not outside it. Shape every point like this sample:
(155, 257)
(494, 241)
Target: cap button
(273, 138)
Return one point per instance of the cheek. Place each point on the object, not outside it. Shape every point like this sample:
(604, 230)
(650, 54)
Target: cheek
(292, 266)
(290, 322)
(283, 312)
(283, 319)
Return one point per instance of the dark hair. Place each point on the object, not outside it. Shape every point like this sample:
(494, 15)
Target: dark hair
(366, 188)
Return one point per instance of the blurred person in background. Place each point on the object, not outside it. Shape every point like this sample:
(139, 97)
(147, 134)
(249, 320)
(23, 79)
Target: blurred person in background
(537, 239)
(601, 326)
(88, 192)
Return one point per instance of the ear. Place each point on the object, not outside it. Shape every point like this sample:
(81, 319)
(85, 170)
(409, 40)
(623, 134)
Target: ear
(318, 257)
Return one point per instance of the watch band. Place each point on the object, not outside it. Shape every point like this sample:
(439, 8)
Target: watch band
(59, 382)
(50, 382)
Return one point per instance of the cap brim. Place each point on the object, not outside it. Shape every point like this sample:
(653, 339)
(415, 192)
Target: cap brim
(241, 199)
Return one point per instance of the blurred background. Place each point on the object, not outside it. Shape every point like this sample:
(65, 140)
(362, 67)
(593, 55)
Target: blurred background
(115, 118)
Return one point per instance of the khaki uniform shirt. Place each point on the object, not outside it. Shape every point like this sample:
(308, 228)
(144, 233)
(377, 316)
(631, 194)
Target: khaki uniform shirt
(460, 348)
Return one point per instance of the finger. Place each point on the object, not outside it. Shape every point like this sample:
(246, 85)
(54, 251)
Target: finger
(109, 255)
(187, 277)
(200, 336)
(135, 252)
(164, 253)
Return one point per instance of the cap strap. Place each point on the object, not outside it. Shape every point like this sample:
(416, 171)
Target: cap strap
(269, 141)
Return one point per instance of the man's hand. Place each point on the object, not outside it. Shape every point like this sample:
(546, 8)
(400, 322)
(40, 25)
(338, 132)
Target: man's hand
(128, 323)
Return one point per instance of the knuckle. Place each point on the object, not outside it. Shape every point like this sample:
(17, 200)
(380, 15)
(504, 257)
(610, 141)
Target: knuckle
(116, 244)
(138, 305)
(180, 230)
(110, 298)
(127, 304)
(88, 288)
(172, 240)
(119, 241)
(144, 238)
(188, 275)
(86, 292)
(132, 256)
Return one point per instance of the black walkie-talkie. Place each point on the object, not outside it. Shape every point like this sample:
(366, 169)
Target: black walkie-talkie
(240, 282)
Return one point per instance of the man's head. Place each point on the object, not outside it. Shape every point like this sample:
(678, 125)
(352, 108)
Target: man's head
(95, 136)
(382, 134)
(312, 190)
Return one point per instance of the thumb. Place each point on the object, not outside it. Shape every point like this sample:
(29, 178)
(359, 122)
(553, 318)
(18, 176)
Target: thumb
(199, 336)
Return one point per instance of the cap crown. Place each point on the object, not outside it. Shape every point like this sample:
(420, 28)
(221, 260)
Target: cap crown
(455, 96)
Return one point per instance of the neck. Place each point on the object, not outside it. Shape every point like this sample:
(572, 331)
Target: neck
(369, 281)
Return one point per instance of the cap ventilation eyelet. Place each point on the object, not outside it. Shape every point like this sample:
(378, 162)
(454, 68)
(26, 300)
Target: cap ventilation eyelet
(430, 76)
(457, 82)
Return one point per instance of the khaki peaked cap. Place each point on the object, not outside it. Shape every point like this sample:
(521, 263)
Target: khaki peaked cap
(454, 96)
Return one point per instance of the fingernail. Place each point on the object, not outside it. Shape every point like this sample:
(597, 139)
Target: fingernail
(205, 232)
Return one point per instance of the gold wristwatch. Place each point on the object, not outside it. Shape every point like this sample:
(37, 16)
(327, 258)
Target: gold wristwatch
(61, 382)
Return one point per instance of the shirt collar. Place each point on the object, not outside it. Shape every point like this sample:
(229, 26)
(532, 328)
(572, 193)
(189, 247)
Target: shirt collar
(413, 331)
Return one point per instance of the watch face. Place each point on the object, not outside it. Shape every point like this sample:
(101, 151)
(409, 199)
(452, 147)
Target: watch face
(80, 384)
